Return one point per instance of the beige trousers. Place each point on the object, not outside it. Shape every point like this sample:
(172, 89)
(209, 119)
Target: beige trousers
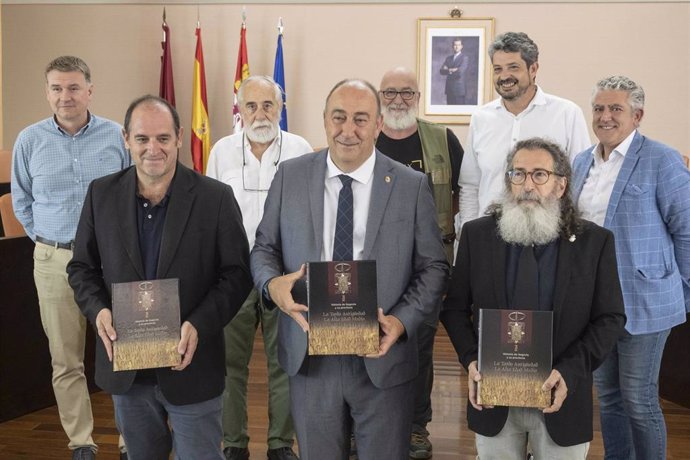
(65, 327)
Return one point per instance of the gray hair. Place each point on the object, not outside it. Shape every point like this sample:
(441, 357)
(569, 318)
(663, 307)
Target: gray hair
(622, 83)
(265, 79)
(69, 64)
(514, 42)
(570, 217)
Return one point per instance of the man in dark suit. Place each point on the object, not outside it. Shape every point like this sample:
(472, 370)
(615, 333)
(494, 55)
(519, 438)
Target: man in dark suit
(574, 275)
(455, 69)
(160, 220)
(394, 223)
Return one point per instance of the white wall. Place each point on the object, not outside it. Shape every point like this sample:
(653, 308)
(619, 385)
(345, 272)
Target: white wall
(579, 43)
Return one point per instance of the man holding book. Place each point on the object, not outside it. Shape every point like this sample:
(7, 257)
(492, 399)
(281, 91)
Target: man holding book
(533, 252)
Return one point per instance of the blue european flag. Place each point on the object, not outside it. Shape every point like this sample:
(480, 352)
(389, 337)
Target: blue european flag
(279, 77)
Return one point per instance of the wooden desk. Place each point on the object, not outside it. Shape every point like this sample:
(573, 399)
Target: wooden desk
(25, 370)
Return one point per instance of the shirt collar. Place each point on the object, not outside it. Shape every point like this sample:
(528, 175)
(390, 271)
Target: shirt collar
(621, 149)
(362, 174)
(89, 121)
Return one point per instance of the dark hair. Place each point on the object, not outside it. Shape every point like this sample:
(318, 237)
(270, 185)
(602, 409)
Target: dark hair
(356, 82)
(152, 100)
(514, 42)
(571, 223)
(69, 64)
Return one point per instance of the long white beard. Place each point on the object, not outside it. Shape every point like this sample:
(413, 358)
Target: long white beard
(527, 223)
(397, 121)
(262, 132)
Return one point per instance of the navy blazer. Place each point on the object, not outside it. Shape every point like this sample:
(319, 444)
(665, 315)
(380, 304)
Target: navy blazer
(587, 317)
(203, 244)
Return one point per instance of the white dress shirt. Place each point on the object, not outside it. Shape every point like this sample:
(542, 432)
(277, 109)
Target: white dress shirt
(232, 162)
(493, 133)
(361, 197)
(596, 192)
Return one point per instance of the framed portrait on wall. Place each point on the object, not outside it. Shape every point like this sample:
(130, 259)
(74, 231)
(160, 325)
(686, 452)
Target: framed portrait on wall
(453, 67)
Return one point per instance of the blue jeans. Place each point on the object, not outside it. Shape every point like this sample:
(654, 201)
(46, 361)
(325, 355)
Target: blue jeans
(627, 383)
(143, 414)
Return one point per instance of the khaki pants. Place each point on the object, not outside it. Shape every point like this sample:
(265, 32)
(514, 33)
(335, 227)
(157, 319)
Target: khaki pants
(65, 328)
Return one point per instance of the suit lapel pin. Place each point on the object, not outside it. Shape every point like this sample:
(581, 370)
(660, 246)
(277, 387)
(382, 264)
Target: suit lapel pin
(572, 238)
(387, 179)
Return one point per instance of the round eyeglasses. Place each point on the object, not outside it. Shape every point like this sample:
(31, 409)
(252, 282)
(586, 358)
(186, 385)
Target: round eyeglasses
(390, 94)
(539, 176)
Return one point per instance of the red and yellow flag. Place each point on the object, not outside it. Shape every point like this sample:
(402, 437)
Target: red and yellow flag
(201, 128)
(241, 74)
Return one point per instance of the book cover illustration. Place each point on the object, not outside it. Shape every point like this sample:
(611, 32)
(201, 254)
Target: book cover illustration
(342, 308)
(515, 357)
(146, 317)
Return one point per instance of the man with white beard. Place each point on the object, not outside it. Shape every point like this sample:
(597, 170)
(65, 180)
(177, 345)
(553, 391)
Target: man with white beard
(533, 245)
(434, 150)
(247, 162)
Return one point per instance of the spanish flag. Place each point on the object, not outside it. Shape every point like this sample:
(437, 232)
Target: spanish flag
(201, 128)
(241, 74)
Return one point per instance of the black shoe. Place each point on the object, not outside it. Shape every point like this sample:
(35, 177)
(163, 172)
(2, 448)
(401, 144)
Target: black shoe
(281, 453)
(123, 456)
(84, 453)
(236, 453)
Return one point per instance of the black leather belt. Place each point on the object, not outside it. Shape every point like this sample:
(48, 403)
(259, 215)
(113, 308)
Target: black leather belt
(448, 239)
(55, 244)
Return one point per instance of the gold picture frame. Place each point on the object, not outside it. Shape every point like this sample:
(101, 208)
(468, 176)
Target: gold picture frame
(453, 84)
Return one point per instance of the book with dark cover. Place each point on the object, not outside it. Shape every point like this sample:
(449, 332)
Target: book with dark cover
(515, 357)
(146, 317)
(342, 308)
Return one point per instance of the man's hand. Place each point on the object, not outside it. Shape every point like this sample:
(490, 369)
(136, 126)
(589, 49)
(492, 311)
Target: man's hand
(280, 290)
(559, 389)
(392, 329)
(104, 326)
(189, 339)
(473, 376)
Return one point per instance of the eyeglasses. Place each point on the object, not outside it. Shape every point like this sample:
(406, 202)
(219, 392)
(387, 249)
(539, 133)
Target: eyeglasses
(244, 163)
(539, 176)
(390, 94)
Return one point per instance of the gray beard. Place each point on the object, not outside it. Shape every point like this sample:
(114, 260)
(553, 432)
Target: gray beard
(527, 224)
(261, 135)
(399, 122)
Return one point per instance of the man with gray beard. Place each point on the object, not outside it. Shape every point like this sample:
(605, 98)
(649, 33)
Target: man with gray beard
(435, 151)
(535, 228)
(247, 162)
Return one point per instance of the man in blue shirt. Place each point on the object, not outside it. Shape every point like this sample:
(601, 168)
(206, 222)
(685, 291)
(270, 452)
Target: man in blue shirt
(53, 163)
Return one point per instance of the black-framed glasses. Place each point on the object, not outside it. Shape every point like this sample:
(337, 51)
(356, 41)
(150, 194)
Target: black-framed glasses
(244, 163)
(390, 94)
(539, 176)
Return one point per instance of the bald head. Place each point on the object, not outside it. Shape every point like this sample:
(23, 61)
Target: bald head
(400, 99)
(400, 77)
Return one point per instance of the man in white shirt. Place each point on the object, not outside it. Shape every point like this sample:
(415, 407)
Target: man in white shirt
(247, 162)
(522, 111)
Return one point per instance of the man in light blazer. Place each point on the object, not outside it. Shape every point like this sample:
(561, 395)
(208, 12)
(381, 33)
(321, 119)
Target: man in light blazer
(393, 223)
(161, 220)
(640, 190)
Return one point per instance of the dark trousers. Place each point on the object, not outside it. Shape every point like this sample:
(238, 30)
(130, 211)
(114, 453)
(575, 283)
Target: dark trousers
(424, 383)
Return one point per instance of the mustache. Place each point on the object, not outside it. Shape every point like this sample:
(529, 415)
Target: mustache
(528, 196)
